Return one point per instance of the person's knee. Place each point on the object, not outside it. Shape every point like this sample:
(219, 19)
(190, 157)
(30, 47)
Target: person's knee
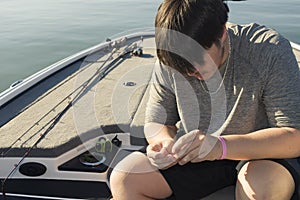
(135, 163)
(115, 181)
(264, 179)
(127, 173)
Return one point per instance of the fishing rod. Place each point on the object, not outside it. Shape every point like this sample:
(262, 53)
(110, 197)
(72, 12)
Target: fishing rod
(3, 154)
(44, 96)
(130, 48)
(103, 72)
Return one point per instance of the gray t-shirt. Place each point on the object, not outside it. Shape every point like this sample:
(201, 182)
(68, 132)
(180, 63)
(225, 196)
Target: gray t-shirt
(261, 88)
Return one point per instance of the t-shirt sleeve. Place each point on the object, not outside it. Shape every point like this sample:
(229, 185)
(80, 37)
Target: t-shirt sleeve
(281, 95)
(161, 107)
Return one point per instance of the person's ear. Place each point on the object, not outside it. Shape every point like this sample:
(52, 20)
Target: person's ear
(224, 35)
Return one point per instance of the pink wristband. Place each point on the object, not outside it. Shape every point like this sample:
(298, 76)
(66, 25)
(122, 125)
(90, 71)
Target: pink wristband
(224, 147)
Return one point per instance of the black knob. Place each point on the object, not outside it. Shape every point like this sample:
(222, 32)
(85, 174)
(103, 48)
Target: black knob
(116, 141)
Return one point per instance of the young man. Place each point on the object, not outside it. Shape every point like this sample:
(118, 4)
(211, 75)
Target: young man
(216, 78)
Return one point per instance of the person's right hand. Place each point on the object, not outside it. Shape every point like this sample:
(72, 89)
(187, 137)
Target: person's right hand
(160, 155)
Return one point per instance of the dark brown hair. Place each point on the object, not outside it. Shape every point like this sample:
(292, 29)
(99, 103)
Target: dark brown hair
(200, 20)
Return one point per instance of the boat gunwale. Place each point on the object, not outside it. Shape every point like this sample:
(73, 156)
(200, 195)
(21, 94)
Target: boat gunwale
(295, 46)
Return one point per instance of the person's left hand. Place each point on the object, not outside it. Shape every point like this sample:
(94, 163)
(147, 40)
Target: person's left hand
(159, 155)
(196, 146)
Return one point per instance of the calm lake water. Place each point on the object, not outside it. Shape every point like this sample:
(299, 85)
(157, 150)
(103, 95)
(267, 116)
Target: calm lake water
(35, 33)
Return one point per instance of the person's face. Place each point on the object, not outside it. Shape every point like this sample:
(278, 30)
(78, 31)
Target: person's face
(212, 59)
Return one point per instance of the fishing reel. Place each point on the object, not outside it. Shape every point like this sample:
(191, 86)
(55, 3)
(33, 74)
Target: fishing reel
(137, 51)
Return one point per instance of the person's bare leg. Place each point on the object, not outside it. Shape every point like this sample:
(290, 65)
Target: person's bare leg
(134, 178)
(264, 179)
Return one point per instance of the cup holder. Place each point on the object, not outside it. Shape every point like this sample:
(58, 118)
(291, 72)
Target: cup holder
(92, 159)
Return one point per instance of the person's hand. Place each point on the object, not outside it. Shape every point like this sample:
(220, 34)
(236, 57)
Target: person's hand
(160, 155)
(196, 146)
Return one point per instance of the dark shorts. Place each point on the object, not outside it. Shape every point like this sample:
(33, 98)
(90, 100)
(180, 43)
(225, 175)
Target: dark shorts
(197, 180)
